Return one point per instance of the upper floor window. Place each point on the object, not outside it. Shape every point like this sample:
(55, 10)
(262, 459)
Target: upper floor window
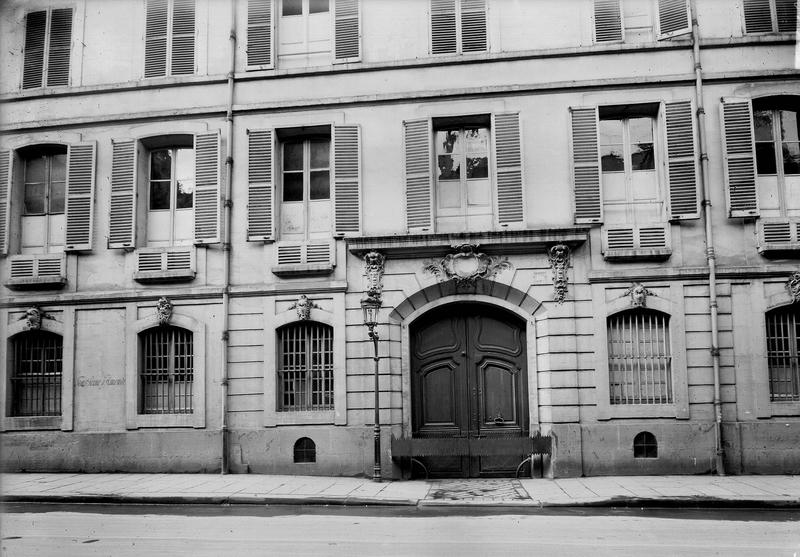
(42, 220)
(458, 26)
(166, 371)
(639, 361)
(638, 21)
(305, 209)
(783, 349)
(767, 16)
(304, 32)
(777, 150)
(169, 38)
(170, 193)
(35, 374)
(48, 38)
(305, 367)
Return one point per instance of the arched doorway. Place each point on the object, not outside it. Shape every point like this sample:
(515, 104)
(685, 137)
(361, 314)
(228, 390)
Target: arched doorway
(469, 380)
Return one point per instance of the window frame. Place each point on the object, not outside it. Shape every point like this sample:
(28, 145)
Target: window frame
(458, 13)
(776, 142)
(172, 396)
(173, 148)
(48, 153)
(46, 47)
(169, 38)
(305, 140)
(794, 351)
(305, 329)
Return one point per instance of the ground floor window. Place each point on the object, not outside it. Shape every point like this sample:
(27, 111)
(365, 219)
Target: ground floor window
(166, 374)
(305, 367)
(36, 368)
(783, 335)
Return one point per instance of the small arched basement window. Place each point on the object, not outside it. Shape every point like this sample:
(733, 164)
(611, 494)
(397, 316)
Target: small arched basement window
(305, 450)
(645, 445)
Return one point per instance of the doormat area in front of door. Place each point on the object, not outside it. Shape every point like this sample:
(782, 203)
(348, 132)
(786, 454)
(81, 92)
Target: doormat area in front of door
(478, 489)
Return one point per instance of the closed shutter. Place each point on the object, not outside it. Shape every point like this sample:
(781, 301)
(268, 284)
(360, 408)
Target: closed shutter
(59, 48)
(346, 31)
(607, 21)
(182, 37)
(417, 147)
(6, 160)
(586, 166)
(473, 25)
(673, 18)
(206, 193)
(681, 160)
(33, 64)
(347, 179)
(259, 186)
(786, 14)
(508, 157)
(757, 16)
(155, 38)
(443, 26)
(80, 196)
(259, 34)
(738, 151)
(122, 212)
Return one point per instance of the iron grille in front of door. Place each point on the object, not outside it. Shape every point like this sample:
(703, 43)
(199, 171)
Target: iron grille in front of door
(305, 373)
(36, 374)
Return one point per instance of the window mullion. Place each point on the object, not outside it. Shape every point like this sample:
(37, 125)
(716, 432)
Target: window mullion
(306, 184)
(307, 394)
(777, 142)
(459, 48)
(773, 14)
(46, 54)
(173, 193)
(171, 370)
(168, 31)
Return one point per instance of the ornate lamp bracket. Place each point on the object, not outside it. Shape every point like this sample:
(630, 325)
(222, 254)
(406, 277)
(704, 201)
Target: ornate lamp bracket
(793, 286)
(638, 294)
(466, 265)
(559, 261)
(304, 306)
(164, 310)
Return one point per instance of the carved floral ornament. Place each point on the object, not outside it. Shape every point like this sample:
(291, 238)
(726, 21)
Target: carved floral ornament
(33, 318)
(374, 263)
(164, 311)
(638, 294)
(559, 262)
(303, 306)
(793, 286)
(466, 265)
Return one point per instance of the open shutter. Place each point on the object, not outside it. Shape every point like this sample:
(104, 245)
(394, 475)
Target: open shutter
(6, 159)
(346, 31)
(786, 14)
(347, 179)
(122, 213)
(473, 25)
(417, 145)
(757, 16)
(607, 21)
(206, 192)
(508, 157)
(33, 64)
(58, 52)
(259, 34)
(586, 166)
(259, 186)
(681, 160)
(443, 26)
(80, 196)
(183, 37)
(738, 151)
(155, 38)
(674, 18)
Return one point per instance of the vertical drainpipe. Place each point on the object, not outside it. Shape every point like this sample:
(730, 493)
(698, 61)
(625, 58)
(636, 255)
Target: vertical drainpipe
(226, 246)
(719, 451)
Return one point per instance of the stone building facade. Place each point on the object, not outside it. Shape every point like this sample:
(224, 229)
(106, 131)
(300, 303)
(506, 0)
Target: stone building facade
(587, 219)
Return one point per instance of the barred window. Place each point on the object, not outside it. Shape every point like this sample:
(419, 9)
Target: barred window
(166, 371)
(305, 367)
(639, 361)
(783, 336)
(36, 374)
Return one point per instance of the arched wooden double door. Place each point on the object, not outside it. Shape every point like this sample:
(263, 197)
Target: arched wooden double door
(469, 379)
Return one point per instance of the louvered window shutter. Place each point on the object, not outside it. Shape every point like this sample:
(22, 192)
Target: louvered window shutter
(347, 179)
(586, 166)
(155, 48)
(206, 192)
(122, 214)
(473, 25)
(6, 162)
(443, 26)
(182, 37)
(607, 21)
(786, 14)
(33, 65)
(757, 16)
(673, 18)
(681, 160)
(259, 34)
(417, 145)
(347, 31)
(508, 162)
(80, 196)
(59, 48)
(738, 151)
(259, 186)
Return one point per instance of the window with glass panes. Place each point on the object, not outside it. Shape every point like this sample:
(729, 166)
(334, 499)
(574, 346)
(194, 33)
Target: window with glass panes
(463, 187)
(42, 216)
(783, 341)
(35, 378)
(305, 367)
(166, 371)
(304, 32)
(775, 127)
(170, 197)
(305, 211)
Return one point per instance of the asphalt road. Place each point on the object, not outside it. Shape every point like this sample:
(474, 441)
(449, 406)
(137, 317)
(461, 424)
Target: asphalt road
(31, 529)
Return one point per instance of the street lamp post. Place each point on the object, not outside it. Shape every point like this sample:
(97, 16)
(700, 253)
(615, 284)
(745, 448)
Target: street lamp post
(370, 306)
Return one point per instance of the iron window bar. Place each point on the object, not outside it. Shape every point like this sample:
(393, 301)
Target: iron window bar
(36, 374)
(166, 377)
(783, 361)
(305, 370)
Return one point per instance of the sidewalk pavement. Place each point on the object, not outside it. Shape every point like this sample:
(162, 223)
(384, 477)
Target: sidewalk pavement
(216, 489)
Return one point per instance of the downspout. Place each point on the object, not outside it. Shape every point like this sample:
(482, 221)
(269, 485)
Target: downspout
(226, 247)
(719, 451)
